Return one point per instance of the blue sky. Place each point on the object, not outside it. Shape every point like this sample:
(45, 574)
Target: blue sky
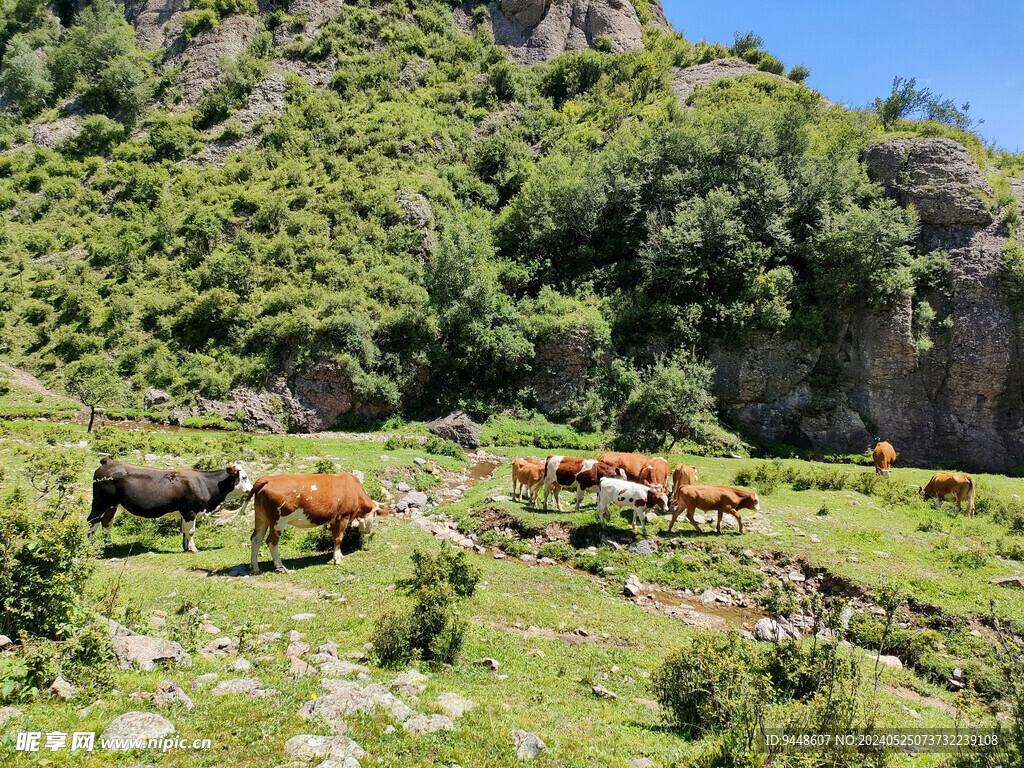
(971, 50)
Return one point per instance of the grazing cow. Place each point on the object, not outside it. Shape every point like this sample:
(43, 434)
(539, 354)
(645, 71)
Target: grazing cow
(714, 498)
(683, 474)
(308, 501)
(952, 487)
(153, 493)
(655, 473)
(631, 464)
(614, 491)
(527, 473)
(570, 472)
(884, 456)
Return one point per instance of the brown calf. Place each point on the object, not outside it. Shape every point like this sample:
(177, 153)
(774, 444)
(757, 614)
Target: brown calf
(683, 474)
(713, 498)
(955, 487)
(527, 473)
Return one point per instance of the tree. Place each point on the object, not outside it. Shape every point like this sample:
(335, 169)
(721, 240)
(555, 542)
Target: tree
(744, 42)
(906, 99)
(673, 397)
(799, 73)
(94, 381)
(24, 80)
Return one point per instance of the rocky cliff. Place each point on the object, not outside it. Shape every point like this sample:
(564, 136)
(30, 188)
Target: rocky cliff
(958, 404)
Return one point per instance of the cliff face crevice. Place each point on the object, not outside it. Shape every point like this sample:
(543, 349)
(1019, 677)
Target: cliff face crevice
(959, 403)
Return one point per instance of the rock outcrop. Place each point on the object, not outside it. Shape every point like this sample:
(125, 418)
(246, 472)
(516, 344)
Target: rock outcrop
(458, 428)
(959, 403)
(685, 80)
(538, 30)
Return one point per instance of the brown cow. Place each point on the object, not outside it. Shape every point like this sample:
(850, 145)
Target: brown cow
(683, 474)
(308, 501)
(954, 487)
(714, 498)
(655, 473)
(527, 473)
(631, 464)
(884, 456)
(571, 472)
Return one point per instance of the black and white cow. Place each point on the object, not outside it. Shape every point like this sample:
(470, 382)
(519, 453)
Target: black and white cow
(153, 493)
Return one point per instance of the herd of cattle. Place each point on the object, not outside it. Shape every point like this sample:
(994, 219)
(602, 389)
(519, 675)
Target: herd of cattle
(629, 480)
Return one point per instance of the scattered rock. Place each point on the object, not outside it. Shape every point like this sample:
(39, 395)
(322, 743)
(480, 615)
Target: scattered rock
(348, 698)
(633, 586)
(768, 629)
(298, 667)
(1008, 581)
(453, 705)
(642, 762)
(139, 725)
(306, 747)
(303, 616)
(210, 629)
(889, 661)
(154, 396)
(268, 637)
(409, 683)
(648, 704)
(419, 462)
(528, 745)
(157, 621)
(238, 685)
(62, 689)
(339, 668)
(239, 665)
(458, 428)
(643, 547)
(169, 692)
(220, 647)
(603, 693)
(297, 648)
(145, 652)
(8, 713)
(412, 500)
(420, 724)
(488, 662)
(6, 643)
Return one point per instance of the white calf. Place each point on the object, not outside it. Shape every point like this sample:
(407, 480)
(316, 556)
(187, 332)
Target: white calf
(622, 493)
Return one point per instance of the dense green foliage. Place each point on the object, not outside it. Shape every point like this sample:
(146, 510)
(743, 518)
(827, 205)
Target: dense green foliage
(433, 219)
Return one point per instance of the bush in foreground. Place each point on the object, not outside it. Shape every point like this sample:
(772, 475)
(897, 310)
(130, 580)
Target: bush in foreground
(431, 628)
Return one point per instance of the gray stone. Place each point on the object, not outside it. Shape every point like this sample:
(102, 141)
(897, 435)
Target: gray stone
(348, 698)
(169, 692)
(341, 668)
(643, 547)
(420, 724)
(308, 746)
(297, 667)
(62, 689)
(409, 683)
(8, 713)
(303, 616)
(888, 661)
(236, 686)
(6, 643)
(528, 745)
(488, 662)
(642, 762)
(139, 725)
(458, 428)
(296, 648)
(768, 629)
(155, 396)
(453, 705)
(603, 693)
(412, 500)
(239, 665)
(146, 652)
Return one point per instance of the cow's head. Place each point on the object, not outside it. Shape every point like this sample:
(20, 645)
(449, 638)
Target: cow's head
(657, 499)
(242, 482)
(365, 523)
(751, 502)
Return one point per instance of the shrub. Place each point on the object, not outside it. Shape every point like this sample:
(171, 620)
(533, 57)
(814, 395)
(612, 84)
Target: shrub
(44, 565)
(706, 686)
(864, 482)
(431, 628)
(325, 467)
(830, 479)
(516, 547)
(594, 562)
(439, 447)
(557, 550)
(450, 565)
(764, 476)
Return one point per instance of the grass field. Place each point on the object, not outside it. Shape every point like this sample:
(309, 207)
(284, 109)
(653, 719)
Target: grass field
(943, 563)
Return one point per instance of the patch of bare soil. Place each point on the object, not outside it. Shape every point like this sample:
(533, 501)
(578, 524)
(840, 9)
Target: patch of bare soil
(909, 694)
(579, 636)
(26, 380)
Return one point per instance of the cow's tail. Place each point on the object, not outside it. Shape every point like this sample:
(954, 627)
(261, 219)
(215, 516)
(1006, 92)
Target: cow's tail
(230, 515)
(970, 498)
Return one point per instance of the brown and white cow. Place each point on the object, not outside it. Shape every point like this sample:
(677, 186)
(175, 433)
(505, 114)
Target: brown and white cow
(614, 491)
(528, 473)
(884, 457)
(683, 474)
(722, 499)
(308, 501)
(571, 472)
(952, 487)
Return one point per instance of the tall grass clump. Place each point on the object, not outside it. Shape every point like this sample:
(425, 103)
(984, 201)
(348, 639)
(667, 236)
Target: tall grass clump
(431, 628)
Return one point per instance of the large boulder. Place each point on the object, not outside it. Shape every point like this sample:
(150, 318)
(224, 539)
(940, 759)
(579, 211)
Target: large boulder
(146, 652)
(457, 427)
(139, 725)
(538, 30)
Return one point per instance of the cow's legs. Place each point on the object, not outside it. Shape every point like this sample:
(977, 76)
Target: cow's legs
(257, 541)
(100, 517)
(188, 531)
(338, 533)
(579, 497)
(689, 517)
(273, 537)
